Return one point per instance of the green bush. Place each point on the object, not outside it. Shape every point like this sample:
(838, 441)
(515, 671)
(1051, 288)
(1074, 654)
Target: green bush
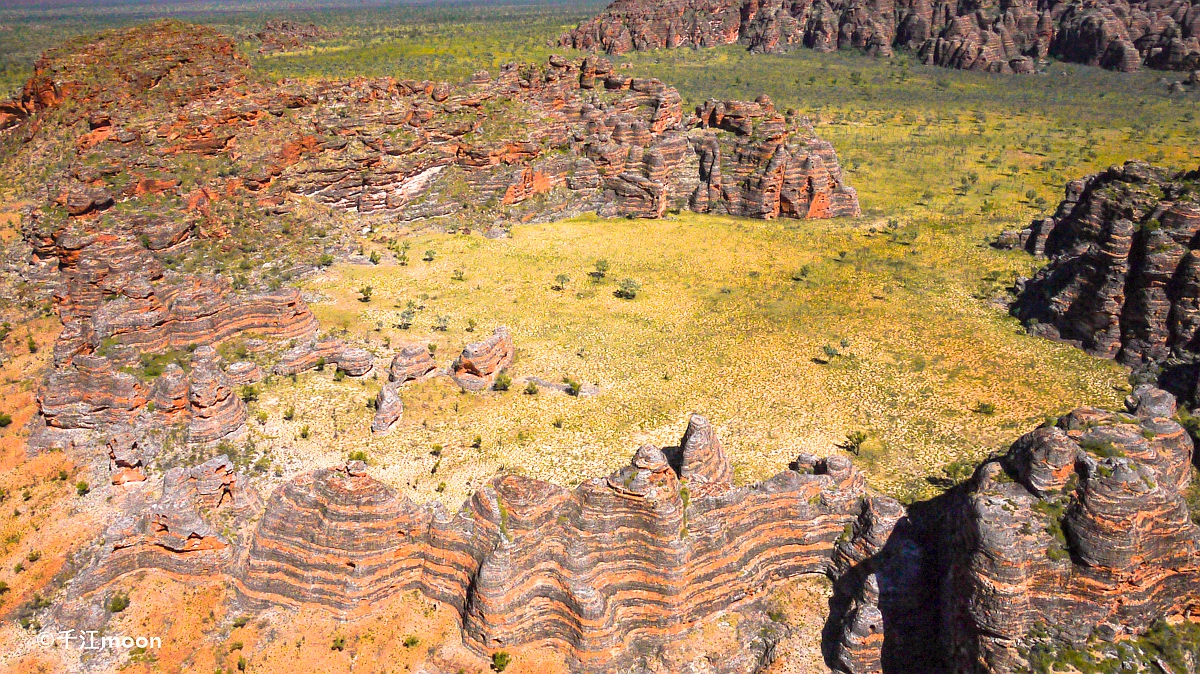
(500, 661)
(503, 381)
(118, 602)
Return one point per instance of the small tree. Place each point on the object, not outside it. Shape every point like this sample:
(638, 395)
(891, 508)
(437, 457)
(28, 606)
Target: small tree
(601, 268)
(441, 323)
(374, 257)
(429, 255)
(118, 602)
(500, 661)
(82, 488)
(854, 442)
(560, 282)
(573, 387)
(531, 389)
(366, 292)
(406, 319)
(458, 275)
(627, 289)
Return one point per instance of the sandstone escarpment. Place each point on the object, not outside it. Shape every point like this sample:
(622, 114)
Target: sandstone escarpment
(1123, 280)
(527, 562)
(997, 38)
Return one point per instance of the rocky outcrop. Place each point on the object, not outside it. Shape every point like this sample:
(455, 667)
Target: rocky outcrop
(1080, 530)
(388, 408)
(354, 361)
(284, 35)
(217, 413)
(411, 363)
(171, 534)
(480, 362)
(1123, 279)
(529, 562)
(997, 38)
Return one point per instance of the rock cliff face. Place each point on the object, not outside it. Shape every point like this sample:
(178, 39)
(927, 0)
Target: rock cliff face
(1124, 277)
(997, 37)
(1079, 531)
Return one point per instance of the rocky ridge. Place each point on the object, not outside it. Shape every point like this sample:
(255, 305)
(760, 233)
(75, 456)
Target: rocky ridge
(996, 37)
(1079, 531)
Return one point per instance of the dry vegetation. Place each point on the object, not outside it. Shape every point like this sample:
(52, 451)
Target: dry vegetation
(736, 319)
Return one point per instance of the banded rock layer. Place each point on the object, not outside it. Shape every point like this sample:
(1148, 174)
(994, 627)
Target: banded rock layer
(1080, 531)
(996, 37)
(1124, 274)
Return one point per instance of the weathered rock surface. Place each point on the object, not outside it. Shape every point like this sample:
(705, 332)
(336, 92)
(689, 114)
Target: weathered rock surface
(1007, 37)
(284, 35)
(171, 534)
(1100, 542)
(480, 362)
(1124, 276)
(388, 408)
(216, 410)
(411, 363)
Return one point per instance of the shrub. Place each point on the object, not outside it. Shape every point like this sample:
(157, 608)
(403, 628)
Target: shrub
(241, 621)
(986, 409)
(406, 319)
(339, 644)
(477, 442)
(32, 344)
(531, 389)
(5, 419)
(374, 257)
(289, 413)
(601, 268)
(358, 455)
(365, 293)
(627, 289)
(458, 275)
(503, 381)
(500, 661)
(411, 641)
(854, 442)
(82, 488)
(118, 602)
(441, 323)
(321, 364)
(304, 431)
(325, 260)
(429, 255)
(249, 393)
(573, 387)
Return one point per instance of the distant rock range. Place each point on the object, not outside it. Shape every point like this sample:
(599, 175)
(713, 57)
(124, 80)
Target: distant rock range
(996, 37)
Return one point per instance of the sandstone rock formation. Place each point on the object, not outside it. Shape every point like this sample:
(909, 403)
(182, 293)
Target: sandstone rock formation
(1006, 38)
(591, 140)
(411, 363)
(1081, 529)
(171, 534)
(480, 362)
(388, 408)
(285, 35)
(216, 410)
(1123, 279)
